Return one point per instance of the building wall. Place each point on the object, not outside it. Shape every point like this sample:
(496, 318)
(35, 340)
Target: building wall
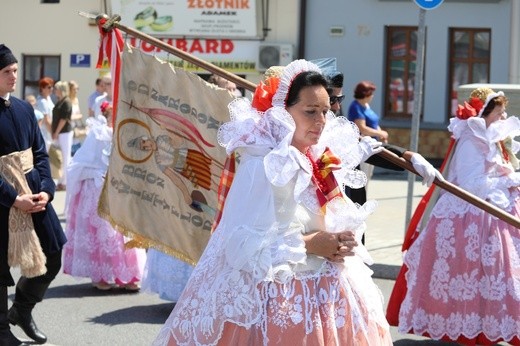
(433, 144)
(361, 51)
(54, 29)
(58, 29)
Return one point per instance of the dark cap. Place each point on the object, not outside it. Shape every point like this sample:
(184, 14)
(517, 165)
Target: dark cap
(336, 79)
(6, 57)
(329, 69)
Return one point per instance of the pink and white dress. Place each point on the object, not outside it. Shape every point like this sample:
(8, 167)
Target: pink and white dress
(463, 279)
(255, 284)
(94, 249)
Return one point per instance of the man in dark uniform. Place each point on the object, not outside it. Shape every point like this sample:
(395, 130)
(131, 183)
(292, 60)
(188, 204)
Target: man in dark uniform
(423, 167)
(19, 133)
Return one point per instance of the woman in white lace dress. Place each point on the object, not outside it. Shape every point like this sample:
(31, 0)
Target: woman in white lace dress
(94, 249)
(463, 279)
(261, 279)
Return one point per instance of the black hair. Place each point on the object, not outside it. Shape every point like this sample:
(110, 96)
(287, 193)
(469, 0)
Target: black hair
(303, 80)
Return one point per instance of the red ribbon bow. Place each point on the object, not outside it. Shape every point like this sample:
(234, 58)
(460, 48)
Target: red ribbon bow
(263, 97)
(327, 187)
(470, 109)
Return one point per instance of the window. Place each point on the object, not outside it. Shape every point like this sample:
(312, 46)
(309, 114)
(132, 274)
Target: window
(401, 51)
(36, 67)
(470, 52)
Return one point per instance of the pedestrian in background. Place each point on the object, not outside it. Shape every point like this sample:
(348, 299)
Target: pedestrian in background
(106, 96)
(62, 128)
(32, 101)
(25, 209)
(336, 92)
(165, 275)
(98, 91)
(360, 113)
(78, 123)
(45, 105)
(73, 96)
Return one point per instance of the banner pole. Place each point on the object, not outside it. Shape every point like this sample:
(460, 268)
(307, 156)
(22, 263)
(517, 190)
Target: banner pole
(455, 190)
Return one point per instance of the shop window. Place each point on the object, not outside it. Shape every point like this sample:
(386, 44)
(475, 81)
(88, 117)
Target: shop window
(469, 60)
(36, 67)
(401, 54)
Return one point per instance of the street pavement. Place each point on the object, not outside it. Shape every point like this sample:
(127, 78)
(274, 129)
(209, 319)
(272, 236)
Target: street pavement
(74, 313)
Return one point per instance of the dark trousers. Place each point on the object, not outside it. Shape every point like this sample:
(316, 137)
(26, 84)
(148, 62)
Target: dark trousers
(31, 291)
(358, 196)
(4, 323)
(28, 293)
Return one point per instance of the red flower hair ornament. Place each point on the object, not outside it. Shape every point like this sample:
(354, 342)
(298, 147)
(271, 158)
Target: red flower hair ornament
(263, 97)
(105, 106)
(470, 109)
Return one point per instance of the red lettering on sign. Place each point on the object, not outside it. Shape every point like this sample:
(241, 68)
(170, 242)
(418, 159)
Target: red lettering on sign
(219, 4)
(182, 44)
(227, 46)
(147, 47)
(210, 46)
(196, 47)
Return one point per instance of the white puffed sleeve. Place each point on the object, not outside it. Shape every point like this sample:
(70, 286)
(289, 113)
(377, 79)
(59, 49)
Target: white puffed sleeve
(474, 173)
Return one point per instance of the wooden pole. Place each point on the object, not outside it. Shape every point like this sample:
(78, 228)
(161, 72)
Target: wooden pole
(113, 22)
(455, 190)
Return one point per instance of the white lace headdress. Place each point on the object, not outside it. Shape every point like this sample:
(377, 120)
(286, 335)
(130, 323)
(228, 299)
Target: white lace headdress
(289, 73)
(489, 97)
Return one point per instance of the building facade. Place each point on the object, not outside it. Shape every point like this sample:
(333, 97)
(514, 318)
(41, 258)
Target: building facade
(377, 40)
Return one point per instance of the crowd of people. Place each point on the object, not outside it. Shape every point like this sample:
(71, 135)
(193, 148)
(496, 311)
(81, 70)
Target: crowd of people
(61, 121)
(286, 261)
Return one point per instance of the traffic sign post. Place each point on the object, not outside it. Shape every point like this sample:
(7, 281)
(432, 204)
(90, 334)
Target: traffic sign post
(418, 95)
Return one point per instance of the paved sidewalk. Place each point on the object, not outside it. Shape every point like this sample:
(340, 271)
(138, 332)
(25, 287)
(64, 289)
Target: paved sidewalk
(386, 226)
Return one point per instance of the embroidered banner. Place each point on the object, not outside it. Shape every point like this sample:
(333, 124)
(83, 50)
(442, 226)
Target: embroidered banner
(165, 165)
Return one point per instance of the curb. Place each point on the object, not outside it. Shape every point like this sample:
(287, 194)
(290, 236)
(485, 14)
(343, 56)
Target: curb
(385, 271)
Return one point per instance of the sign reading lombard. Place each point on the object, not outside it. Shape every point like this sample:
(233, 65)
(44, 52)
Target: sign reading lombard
(231, 55)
